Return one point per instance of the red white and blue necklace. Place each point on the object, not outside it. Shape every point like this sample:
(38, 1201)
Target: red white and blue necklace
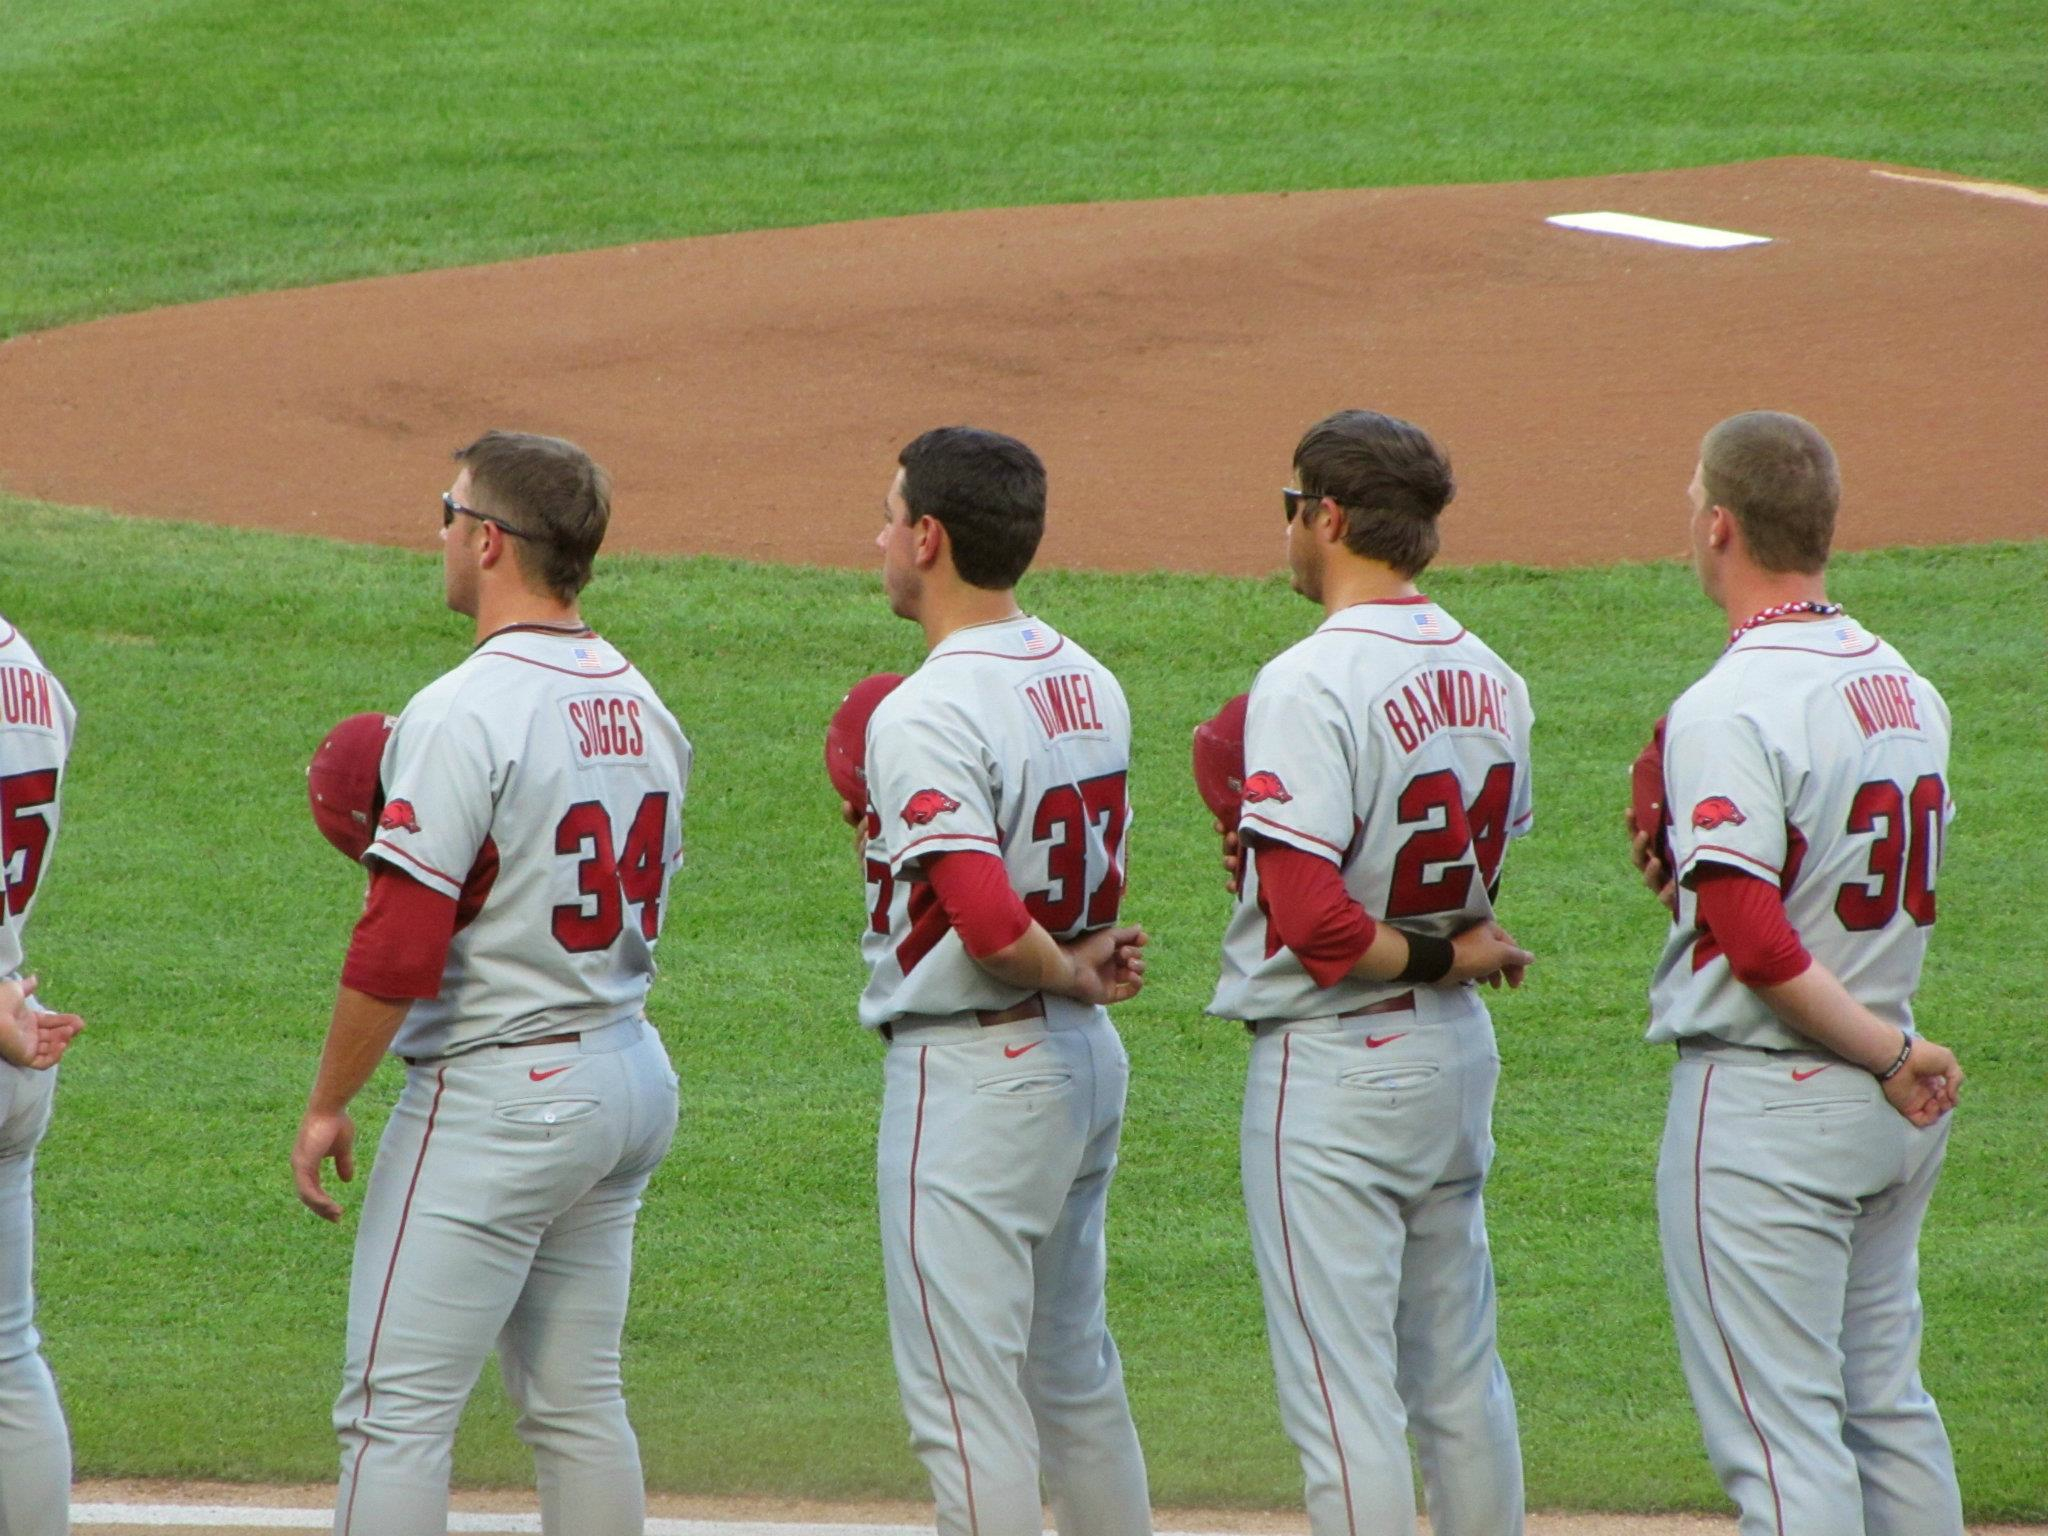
(1779, 611)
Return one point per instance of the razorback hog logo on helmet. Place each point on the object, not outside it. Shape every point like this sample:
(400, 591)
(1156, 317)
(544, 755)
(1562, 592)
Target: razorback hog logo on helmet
(398, 817)
(926, 804)
(1265, 786)
(1715, 811)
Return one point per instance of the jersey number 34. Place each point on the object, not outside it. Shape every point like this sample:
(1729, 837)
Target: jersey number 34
(608, 882)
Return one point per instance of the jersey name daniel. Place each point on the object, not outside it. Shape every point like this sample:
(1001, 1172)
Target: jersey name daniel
(1882, 701)
(25, 698)
(1064, 705)
(605, 728)
(1434, 699)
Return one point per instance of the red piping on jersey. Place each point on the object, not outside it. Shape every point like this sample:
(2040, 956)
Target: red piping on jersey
(376, 1328)
(1733, 853)
(1003, 655)
(416, 863)
(1699, 1224)
(1350, 629)
(550, 666)
(1807, 650)
(11, 633)
(924, 1301)
(1287, 1247)
(933, 837)
(1389, 602)
(1292, 832)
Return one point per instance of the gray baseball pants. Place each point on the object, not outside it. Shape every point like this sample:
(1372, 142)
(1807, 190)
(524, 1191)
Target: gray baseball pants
(500, 1213)
(1789, 1197)
(35, 1448)
(994, 1161)
(1364, 1167)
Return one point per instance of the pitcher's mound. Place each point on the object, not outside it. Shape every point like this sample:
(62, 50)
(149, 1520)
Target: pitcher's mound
(749, 392)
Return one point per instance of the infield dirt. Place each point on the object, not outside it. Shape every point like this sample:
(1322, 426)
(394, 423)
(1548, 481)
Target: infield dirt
(749, 391)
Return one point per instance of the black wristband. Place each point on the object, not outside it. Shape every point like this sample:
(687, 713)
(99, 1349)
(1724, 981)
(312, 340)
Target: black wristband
(1898, 1064)
(1429, 959)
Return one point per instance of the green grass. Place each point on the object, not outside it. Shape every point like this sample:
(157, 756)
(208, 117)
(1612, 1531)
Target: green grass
(166, 150)
(180, 149)
(194, 1312)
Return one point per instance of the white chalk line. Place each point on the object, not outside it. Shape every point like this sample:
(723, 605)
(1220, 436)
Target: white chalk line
(1998, 189)
(246, 1517)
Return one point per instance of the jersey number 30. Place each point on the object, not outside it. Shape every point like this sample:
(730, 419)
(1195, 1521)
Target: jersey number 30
(610, 882)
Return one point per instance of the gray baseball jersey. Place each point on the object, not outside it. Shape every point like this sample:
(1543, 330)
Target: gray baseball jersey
(1790, 1194)
(1813, 757)
(998, 1138)
(36, 723)
(541, 784)
(1012, 740)
(544, 776)
(1394, 743)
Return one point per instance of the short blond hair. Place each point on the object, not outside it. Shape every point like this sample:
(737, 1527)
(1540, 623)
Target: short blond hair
(552, 492)
(1778, 476)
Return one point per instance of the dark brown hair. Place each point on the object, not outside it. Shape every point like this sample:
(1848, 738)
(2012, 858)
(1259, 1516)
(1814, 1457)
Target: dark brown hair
(987, 490)
(1390, 478)
(551, 491)
(1777, 475)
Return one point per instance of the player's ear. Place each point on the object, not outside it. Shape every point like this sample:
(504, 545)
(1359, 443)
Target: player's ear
(931, 542)
(1331, 525)
(1723, 532)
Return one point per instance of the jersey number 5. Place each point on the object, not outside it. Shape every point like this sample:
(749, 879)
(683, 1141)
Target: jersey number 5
(23, 834)
(609, 882)
(1067, 907)
(1902, 859)
(1448, 830)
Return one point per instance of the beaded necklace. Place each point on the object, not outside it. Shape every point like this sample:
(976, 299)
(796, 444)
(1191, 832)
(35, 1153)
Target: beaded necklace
(1781, 610)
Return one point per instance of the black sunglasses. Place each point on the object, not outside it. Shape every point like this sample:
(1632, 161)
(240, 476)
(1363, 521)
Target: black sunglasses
(450, 506)
(1291, 500)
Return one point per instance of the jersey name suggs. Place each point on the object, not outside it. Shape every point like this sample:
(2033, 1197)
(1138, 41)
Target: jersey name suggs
(605, 728)
(25, 698)
(1064, 704)
(1433, 699)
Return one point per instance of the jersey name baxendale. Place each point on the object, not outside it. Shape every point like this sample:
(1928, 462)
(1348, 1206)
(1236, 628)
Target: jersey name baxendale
(1436, 699)
(1064, 704)
(25, 698)
(605, 726)
(1882, 701)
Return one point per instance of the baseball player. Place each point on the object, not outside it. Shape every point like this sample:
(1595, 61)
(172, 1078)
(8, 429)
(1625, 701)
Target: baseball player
(36, 724)
(1807, 776)
(519, 877)
(1386, 769)
(996, 823)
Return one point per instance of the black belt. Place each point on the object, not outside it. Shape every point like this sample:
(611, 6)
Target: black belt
(1033, 1007)
(510, 1045)
(1403, 1002)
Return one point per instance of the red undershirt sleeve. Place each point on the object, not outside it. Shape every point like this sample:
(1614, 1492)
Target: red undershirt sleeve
(975, 893)
(1746, 915)
(1314, 915)
(400, 947)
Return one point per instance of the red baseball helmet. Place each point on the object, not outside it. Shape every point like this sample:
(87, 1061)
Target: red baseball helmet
(846, 737)
(1219, 760)
(342, 782)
